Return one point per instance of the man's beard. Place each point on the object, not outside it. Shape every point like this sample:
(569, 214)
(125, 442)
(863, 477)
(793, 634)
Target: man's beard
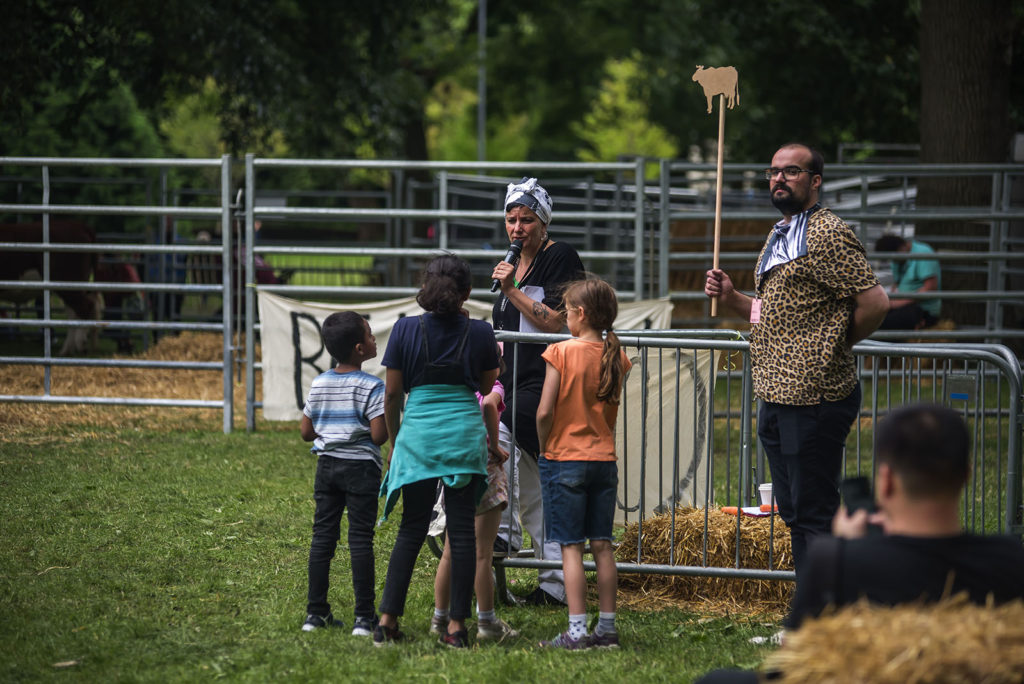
(787, 204)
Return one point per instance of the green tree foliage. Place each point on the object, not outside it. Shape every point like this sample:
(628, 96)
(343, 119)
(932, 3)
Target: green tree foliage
(823, 71)
(380, 79)
(338, 80)
(618, 125)
(546, 60)
(452, 127)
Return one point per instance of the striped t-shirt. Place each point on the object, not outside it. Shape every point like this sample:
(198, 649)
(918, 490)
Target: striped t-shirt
(341, 406)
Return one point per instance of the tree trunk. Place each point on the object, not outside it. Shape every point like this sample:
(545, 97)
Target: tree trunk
(966, 49)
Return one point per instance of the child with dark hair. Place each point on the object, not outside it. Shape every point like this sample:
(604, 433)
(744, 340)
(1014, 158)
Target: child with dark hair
(344, 418)
(578, 473)
(440, 359)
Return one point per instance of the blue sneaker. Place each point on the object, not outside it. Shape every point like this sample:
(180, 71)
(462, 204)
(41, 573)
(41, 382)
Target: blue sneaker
(318, 621)
(566, 642)
(364, 626)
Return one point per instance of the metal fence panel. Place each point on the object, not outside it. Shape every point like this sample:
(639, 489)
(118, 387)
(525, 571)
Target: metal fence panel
(48, 284)
(984, 381)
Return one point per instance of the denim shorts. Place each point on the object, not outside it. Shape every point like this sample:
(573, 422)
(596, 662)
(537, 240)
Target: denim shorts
(579, 499)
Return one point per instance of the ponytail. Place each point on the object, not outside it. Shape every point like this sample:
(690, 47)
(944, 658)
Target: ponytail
(609, 388)
(598, 299)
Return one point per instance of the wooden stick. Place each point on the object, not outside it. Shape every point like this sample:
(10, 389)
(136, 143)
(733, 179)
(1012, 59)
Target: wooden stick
(718, 193)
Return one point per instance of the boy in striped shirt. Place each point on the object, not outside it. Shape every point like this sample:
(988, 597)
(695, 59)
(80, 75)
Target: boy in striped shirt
(344, 418)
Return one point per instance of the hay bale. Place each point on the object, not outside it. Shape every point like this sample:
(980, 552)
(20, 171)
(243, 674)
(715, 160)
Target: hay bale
(951, 641)
(707, 594)
(17, 418)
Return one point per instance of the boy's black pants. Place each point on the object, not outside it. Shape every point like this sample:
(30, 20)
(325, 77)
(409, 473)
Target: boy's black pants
(344, 483)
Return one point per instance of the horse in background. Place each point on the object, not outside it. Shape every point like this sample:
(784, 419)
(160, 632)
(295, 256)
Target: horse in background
(120, 305)
(64, 267)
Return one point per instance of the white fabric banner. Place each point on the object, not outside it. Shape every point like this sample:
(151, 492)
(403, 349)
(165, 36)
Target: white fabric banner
(676, 420)
(293, 354)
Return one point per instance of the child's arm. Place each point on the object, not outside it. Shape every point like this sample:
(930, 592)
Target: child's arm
(487, 379)
(306, 429)
(393, 400)
(491, 417)
(378, 430)
(546, 409)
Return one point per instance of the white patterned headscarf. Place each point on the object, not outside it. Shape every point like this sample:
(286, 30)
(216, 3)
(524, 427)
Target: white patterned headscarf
(532, 196)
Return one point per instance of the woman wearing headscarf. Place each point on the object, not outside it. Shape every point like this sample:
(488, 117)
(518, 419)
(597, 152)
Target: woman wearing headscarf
(529, 302)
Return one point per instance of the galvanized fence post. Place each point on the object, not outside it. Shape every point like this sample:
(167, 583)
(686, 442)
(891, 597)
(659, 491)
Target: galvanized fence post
(638, 228)
(226, 300)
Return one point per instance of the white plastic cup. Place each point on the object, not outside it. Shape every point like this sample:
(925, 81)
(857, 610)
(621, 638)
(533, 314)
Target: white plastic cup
(765, 491)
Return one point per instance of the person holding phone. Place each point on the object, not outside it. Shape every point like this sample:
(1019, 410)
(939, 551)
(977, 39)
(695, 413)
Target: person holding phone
(922, 551)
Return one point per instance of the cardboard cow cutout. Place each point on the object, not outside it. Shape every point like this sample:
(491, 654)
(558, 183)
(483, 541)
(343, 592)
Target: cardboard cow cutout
(719, 81)
(723, 82)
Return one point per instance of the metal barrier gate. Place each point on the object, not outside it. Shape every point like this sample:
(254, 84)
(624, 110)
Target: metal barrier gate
(982, 381)
(220, 213)
(641, 213)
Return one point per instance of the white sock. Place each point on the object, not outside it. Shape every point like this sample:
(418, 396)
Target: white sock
(577, 626)
(440, 613)
(605, 624)
(485, 615)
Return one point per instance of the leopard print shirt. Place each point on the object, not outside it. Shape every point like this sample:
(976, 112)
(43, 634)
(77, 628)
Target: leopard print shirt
(798, 349)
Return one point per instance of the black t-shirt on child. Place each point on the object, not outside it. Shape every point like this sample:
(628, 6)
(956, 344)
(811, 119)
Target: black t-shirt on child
(405, 347)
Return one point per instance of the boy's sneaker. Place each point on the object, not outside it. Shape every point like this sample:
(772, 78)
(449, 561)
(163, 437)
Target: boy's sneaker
(458, 639)
(386, 636)
(496, 630)
(564, 641)
(317, 621)
(604, 640)
(438, 625)
(364, 626)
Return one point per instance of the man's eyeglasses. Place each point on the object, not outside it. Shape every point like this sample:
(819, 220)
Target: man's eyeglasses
(788, 172)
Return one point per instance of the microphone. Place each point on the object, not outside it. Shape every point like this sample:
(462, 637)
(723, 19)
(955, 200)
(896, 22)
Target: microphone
(511, 257)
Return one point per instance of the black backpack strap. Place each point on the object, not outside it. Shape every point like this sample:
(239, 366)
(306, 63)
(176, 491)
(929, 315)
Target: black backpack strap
(424, 345)
(462, 342)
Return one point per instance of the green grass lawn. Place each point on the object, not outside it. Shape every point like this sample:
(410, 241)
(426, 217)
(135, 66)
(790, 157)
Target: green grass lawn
(158, 555)
(324, 270)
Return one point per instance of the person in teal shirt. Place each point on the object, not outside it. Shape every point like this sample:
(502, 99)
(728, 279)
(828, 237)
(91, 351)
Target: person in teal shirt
(911, 275)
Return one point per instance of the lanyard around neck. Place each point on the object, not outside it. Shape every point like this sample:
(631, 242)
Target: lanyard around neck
(533, 265)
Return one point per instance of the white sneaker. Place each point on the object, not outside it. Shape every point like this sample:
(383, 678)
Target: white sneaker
(496, 630)
(363, 626)
(438, 625)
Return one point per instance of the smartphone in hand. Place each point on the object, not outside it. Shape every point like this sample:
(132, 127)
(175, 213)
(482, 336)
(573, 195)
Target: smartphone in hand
(857, 495)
